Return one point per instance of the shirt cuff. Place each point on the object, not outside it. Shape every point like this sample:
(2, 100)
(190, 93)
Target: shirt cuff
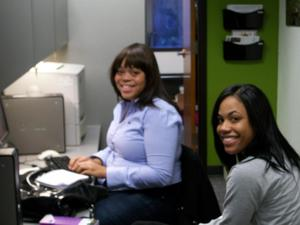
(115, 177)
(96, 157)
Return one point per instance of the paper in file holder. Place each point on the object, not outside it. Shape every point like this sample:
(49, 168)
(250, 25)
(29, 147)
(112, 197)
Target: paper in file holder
(243, 45)
(243, 17)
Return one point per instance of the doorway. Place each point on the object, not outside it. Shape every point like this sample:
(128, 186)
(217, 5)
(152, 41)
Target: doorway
(190, 45)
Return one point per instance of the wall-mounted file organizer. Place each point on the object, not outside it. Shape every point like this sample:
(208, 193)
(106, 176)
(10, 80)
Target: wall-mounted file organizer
(234, 51)
(237, 17)
(244, 21)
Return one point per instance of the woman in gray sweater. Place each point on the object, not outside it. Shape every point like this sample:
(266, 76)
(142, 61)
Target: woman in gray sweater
(263, 185)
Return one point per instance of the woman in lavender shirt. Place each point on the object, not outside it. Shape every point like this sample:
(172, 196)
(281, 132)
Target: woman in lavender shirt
(140, 165)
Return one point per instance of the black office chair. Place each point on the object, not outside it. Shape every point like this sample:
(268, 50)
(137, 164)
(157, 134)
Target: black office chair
(197, 201)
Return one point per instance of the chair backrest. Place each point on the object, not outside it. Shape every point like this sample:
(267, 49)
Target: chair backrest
(198, 200)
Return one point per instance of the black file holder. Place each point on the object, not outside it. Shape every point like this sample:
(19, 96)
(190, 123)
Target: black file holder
(233, 51)
(242, 21)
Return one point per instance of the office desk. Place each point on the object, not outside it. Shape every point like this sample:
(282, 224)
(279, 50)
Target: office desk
(88, 146)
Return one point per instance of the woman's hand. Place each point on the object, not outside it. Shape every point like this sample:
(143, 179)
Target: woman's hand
(88, 166)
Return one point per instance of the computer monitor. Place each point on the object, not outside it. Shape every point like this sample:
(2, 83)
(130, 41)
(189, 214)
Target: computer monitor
(3, 126)
(10, 207)
(35, 123)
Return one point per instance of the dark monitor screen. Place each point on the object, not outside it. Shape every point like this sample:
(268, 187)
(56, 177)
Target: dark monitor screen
(3, 125)
(9, 194)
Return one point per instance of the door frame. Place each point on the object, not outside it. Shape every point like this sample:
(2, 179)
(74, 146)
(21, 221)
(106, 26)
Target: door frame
(201, 82)
(196, 86)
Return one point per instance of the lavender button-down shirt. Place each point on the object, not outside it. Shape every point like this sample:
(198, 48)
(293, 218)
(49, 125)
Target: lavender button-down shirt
(144, 147)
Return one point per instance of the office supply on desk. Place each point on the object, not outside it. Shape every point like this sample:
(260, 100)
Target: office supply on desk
(47, 153)
(67, 220)
(60, 162)
(38, 200)
(23, 171)
(60, 178)
(75, 198)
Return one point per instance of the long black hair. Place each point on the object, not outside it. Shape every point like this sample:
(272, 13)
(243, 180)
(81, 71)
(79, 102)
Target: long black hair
(140, 56)
(268, 143)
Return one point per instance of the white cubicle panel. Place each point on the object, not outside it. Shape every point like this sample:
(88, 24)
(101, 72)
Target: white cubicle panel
(170, 62)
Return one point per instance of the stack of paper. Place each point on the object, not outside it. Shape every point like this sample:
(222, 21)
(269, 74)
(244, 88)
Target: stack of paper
(60, 178)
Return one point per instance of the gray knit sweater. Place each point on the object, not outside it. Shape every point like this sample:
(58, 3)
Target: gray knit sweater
(256, 197)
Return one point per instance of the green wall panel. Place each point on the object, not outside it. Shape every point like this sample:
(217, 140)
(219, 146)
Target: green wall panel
(221, 73)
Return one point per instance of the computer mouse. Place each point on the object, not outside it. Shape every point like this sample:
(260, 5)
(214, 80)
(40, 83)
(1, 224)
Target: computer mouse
(48, 153)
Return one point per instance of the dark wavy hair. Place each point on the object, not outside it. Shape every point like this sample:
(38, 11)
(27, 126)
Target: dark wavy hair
(141, 57)
(268, 143)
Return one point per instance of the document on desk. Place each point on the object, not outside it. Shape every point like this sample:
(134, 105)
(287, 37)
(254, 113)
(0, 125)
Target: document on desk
(60, 178)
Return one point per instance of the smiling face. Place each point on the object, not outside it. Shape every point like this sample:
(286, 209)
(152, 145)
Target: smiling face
(234, 128)
(130, 81)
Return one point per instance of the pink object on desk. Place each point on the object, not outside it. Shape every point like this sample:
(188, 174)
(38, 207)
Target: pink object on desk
(66, 220)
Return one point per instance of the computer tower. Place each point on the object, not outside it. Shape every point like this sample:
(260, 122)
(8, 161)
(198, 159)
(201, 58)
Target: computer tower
(10, 209)
(35, 123)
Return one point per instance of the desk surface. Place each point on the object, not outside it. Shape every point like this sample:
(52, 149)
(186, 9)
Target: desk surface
(88, 146)
(90, 143)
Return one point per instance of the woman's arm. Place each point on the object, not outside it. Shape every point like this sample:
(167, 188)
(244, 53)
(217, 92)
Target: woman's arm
(102, 155)
(243, 197)
(90, 165)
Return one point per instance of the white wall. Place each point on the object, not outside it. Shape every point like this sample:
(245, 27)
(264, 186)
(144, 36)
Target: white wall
(98, 30)
(288, 111)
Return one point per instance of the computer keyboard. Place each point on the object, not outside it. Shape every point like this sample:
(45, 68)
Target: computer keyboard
(59, 162)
